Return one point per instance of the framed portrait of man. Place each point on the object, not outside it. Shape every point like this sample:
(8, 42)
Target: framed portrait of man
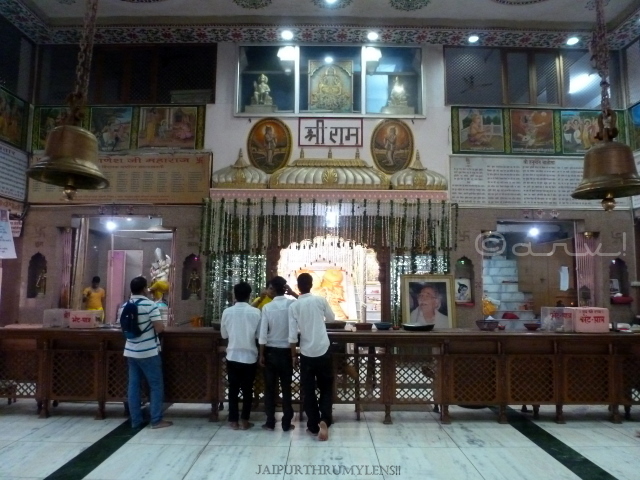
(427, 300)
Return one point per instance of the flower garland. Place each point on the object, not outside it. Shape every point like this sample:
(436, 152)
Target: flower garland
(237, 234)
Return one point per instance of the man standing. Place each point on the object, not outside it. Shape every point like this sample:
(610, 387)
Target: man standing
(93, 297)
(427, 312)
(307, 316)
(143, 358)
(240, 324)
(275, 355)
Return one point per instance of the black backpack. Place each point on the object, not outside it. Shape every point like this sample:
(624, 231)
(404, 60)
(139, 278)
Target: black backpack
(129, 320)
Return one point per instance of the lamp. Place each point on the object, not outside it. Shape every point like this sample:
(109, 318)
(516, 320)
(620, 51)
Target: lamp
(609, 167)
(372, 57)
(71, 151)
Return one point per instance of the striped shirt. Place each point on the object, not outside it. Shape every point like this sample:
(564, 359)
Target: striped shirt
(146, 345)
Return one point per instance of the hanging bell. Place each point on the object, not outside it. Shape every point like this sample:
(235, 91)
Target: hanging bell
(70, 161)
(609, 169)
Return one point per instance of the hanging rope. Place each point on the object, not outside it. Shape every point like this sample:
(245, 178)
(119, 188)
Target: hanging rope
(78, 98)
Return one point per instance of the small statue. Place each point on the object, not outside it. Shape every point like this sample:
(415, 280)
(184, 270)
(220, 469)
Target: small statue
(261, 91)
(398, 97)
(160, 275)
(194, 284)
(397, 102)
(41, 283)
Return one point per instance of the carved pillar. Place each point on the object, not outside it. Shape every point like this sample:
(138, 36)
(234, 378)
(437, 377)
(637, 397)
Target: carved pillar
(384, 262)
(67, 266)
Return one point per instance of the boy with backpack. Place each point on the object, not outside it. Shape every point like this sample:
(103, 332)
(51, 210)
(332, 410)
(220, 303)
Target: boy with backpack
(141, 323)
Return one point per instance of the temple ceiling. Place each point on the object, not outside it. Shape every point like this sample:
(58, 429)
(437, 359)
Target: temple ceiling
(504, 23)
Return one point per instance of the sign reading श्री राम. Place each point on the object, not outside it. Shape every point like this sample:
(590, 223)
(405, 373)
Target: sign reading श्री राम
(157, 178)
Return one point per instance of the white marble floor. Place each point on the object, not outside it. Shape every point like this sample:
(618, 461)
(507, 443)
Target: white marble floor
(416, 446)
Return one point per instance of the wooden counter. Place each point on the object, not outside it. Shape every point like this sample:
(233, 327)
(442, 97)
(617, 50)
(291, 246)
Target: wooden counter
(390, 369)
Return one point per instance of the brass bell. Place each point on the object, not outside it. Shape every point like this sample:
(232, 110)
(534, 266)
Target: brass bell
(70, 161)
(609, 170)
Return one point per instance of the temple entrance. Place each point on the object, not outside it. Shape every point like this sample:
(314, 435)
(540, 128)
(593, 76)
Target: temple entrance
(342, 273)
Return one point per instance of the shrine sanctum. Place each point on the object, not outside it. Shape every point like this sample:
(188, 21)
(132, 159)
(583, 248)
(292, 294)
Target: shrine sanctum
(457, 180)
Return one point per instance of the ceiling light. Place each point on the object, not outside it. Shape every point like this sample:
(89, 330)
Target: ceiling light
(473, 38)
(330, 2)
(287, 53)
(111, 226)
(373, 36)
(533, 232)
(286, 35)
(328, 59)
(572, 40)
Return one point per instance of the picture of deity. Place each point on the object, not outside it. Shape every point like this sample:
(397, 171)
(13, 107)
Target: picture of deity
(45, 120)
(332, 283)
(580, 127)
(12, 115)
(331, 86)
(168, 127)
(112, 127)
(532, 131)
(634, 115)
(392, 146)
(477, 130)
(269, 145)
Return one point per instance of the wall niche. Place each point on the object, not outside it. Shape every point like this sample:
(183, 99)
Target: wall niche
(37, 276)
(192, 278)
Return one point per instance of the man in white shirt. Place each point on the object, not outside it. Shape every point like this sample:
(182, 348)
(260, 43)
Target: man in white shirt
(428, 310)
(143, 358)
(275, 355)
(240, 324)
(307, 316)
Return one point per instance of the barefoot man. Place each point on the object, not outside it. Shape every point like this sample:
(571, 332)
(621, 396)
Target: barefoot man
(307, 316)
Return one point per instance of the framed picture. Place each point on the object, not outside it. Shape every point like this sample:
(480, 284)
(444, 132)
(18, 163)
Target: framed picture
(392, 146)
(478, 130)
(46, 119)
(331, 86)
(578, 131)
(13, 113)
(427, 299)
(168, 126)
(634, 128)
(532, 131)
(462, 287)
(269, 145)
(112, 127)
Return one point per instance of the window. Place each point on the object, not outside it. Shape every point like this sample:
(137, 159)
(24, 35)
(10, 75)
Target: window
(493, 76)
(330, 80)
(128, 74)
(16, 56)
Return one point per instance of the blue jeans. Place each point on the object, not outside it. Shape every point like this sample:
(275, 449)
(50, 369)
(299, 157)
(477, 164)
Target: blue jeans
(151, 368)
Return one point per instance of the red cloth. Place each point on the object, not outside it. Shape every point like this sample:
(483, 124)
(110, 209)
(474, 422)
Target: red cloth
(510, 316)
